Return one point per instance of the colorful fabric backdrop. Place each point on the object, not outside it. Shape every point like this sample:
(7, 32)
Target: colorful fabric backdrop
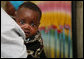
(56, 28)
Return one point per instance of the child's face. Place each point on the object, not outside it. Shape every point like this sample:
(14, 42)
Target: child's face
(28, 20)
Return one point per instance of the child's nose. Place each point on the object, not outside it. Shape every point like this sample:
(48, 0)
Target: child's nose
(27, 27)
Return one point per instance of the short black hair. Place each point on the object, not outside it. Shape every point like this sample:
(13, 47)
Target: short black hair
(31, 6)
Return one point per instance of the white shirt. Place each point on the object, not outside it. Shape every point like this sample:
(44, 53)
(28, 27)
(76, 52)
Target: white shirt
(12, 38)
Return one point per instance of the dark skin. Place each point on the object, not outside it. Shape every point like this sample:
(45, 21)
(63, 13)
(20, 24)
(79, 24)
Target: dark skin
(10, 9)
(28, 20)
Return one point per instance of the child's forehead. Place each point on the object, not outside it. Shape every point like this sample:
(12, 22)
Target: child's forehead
(26, 9)
(25, 12)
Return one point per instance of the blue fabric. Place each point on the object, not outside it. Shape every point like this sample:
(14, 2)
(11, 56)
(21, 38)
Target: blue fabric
(16, 4)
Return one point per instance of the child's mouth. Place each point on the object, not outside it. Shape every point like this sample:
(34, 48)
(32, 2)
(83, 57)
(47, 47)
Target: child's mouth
(27, 32)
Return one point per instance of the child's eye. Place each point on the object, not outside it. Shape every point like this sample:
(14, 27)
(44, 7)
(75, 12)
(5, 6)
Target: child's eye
(32, 24)
(22, 22)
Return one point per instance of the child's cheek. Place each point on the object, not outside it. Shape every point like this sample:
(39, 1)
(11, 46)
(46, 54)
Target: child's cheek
(33, 30)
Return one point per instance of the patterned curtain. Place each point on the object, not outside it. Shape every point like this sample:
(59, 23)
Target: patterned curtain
(56, 28)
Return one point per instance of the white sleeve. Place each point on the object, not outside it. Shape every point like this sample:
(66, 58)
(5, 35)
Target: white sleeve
(12, 38)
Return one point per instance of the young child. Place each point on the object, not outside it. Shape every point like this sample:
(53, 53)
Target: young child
(28, 18)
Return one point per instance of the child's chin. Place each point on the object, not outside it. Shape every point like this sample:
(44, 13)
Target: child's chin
(27, 37)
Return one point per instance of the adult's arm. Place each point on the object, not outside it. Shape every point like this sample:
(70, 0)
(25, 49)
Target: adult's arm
(12, 38)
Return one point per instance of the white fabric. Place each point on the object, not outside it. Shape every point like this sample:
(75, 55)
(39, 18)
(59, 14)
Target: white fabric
(12, 38)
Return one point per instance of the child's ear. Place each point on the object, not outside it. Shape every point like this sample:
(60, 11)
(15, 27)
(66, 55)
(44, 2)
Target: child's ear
(15, 13)
(38, 24)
